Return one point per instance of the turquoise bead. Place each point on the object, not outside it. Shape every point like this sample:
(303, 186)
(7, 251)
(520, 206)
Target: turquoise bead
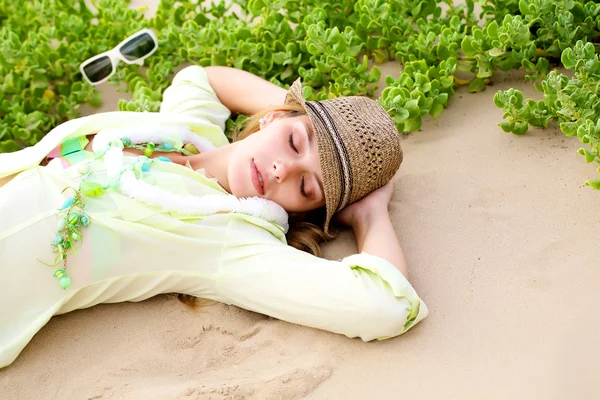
(145, 167)
(61, 224)
(58, 239)
(165, 159)
(168, 146)
(68, 203)
(85, 220)
(126, 141)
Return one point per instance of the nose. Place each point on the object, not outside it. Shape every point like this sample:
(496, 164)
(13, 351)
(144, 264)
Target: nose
(281, 170)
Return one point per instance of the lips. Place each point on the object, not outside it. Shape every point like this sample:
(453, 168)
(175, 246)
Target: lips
(257, 179)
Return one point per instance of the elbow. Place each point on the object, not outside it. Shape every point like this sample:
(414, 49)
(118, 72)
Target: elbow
(389, 317)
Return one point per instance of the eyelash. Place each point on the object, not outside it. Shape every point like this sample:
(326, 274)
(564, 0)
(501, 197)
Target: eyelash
(302, 188)
(291, 140)
(302, 191)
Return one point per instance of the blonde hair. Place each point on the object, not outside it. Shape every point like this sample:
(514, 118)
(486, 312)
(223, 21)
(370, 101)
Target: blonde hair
(306, 232)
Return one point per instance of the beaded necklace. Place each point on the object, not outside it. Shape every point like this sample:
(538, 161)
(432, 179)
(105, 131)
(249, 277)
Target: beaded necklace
(72, 215)
(127, 180)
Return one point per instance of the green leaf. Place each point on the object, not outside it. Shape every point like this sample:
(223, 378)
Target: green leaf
(520, 127)
(436, 109)
(499, 99)
(542, 65)
(476, 85)
(412, 125)
(492, 30)
(467, 47)
(495, 52)
(412, 106)
(484, 68)
(447, 81)
(568, 128)
(401, 115)
(568, 59)
(507, 126)
(8, 146)
(594, 183)
(589, 156)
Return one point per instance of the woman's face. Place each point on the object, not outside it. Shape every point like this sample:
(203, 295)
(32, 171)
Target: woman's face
(279, 163)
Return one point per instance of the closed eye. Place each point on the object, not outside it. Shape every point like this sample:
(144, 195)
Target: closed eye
(302, 191)
(291, 140)
(293, 146)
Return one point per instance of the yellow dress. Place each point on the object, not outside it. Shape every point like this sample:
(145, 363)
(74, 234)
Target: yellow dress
(229, 252)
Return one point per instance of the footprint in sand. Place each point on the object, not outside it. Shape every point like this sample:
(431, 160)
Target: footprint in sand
(223, 352)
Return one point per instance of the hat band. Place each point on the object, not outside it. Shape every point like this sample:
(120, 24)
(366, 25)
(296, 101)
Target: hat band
(340, 148)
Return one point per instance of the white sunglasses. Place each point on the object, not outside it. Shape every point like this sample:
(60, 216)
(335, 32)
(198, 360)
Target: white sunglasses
(133, 50)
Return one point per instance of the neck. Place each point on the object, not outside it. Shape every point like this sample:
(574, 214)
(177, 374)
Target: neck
(215, 164)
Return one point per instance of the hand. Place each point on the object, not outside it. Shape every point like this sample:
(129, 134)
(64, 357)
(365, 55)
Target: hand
(375, 202)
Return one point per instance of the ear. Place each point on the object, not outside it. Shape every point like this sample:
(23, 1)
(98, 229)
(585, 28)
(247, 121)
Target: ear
(270, 117)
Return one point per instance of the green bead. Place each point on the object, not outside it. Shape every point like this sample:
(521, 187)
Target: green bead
(91, 189)
(126, 141)
(75, 236)
(59, 273)
(65, 282)
(148, 152)
(191, 148)
(151, 146)
(73, 219)
(67, 244)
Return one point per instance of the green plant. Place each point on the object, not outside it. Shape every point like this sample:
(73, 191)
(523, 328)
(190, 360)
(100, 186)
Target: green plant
(571, 102)
(333, 45)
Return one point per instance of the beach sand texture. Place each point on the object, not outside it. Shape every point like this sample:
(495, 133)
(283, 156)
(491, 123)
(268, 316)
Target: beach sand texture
(501, 236)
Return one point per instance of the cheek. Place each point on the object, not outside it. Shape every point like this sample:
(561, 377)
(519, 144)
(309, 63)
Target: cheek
(288, 196)
(237, 175)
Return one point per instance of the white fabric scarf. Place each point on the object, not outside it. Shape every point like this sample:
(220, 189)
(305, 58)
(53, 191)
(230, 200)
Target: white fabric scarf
(170, 202)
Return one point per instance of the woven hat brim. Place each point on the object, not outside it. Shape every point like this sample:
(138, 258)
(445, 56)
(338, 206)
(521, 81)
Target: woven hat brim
(325, 150)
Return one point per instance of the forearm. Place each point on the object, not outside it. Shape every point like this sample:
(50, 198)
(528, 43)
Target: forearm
(242, 92)
(376, 235)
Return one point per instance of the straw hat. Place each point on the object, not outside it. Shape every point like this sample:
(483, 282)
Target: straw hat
(358, 144)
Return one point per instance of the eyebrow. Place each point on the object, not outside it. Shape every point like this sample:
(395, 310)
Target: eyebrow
(311, 138)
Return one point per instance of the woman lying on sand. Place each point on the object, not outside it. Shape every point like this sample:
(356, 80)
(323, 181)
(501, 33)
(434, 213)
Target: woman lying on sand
(126, 209)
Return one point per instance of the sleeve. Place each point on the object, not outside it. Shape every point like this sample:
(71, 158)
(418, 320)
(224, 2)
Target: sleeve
(360, 296)
(191, 94)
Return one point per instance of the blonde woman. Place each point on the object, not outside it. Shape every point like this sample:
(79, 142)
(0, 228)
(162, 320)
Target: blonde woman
(131, 205)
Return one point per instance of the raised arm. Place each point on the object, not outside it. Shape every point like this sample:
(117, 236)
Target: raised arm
(375, 234)
(242, 92)
(360, 296)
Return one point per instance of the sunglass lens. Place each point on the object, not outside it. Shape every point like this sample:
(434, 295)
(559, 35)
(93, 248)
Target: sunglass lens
(98, 69)
(138, 47)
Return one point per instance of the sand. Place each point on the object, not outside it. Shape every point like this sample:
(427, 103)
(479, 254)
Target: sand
(500, 233)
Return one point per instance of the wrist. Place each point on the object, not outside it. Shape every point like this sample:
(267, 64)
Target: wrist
(368, 217)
